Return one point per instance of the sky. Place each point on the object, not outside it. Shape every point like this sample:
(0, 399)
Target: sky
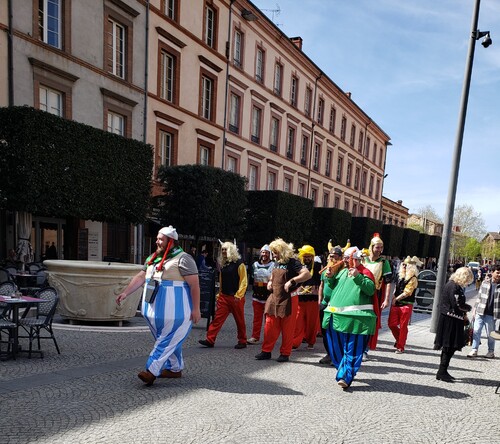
(404, 63)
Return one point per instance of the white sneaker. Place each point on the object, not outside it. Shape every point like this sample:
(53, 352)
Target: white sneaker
(365, 356)
(472, 354)
(342, 383)
(253, 341)
(490, 355)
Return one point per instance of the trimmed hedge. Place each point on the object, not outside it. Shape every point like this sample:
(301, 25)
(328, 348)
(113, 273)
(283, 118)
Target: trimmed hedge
(203, 201)
(434, 246)
(410, 242)
(329, 223)
(423, 245)
(273, 214)
(363, 229)
(56, 167)
(393, 240)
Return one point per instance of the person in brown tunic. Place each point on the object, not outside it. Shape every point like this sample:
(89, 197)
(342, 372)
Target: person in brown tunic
(281, 306)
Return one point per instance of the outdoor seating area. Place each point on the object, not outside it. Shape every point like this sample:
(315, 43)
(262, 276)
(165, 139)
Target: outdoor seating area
(33, 324)
(29, 278)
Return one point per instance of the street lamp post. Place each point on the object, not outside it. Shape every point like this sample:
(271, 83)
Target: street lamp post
(452, 190)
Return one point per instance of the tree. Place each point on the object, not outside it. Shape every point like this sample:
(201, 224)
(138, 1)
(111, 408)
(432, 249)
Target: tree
(428, 212)
(469, 221)
(472, 249)
(416, 227)
(203, 201)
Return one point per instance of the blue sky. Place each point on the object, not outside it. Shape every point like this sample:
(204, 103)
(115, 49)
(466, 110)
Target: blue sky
(404, 63)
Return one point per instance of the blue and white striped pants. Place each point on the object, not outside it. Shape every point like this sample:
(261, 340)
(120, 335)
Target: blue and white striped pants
(169, 319)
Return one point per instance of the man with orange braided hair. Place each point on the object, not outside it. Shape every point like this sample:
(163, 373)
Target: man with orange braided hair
(170, 304)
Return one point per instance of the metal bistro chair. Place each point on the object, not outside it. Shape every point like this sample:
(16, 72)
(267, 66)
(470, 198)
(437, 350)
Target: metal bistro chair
(6, 289)
(45, 311)
(5, 275)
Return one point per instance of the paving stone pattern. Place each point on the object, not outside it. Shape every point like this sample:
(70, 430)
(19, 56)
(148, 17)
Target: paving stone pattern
(91, 394)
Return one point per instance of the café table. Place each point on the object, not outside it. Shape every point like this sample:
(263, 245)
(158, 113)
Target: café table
(26, 282)
(15, 303)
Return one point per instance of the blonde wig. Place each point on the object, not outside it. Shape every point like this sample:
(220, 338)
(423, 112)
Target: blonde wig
(463, 276)
(232, 253)
(286, 251)
(408, 272)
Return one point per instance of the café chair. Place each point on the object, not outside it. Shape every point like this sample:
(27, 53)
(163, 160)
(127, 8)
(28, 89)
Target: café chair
(6, 289)
(5, 275)
(33, 267)
(10, 327)
(45, 311)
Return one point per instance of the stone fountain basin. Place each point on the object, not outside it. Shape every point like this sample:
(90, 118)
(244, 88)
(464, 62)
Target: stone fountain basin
(88, 289)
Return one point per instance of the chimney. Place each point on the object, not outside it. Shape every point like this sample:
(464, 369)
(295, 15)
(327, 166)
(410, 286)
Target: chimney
(297, 41)
(400, 202)
(348, 94)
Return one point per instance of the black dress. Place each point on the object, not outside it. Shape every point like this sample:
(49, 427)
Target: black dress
(450, 330)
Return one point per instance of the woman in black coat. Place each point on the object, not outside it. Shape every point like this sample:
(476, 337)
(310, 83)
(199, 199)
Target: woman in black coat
(450, 330)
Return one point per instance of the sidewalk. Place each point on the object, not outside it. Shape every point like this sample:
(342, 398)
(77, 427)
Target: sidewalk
(91, 394)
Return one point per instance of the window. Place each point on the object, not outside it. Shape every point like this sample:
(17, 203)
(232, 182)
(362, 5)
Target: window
(336, 202)
(168, 75)
(275, 134)
(166, 142)
(204, 155)
(51, 101)
(340, 167)
(238, 49)
(347, 204)
(375, 216)
(256, 124)
(232, 164)
(374, 156)
(271, 180)
(321, 111)
(363, 182)
(116, 123)
(343, 125)
(259, 65)
(301, 189)
(316, 157)
(377, 190)
(370, 185)
(278, 78)
(50, 21)
(353, 135)
(287, 185)
(234, 113)
(380, 154)
(253, 172)
(290, 142)
(314, 194)
(170, 9)
(360, 142)
(354, 209)
(115, 48)
(308, 102)
(207, 96)
(368, 212)
(303, 150)
(294, 91)
(348, 174)
(328, 165)
(326, 199)
(210, 26)
(356, 179)
(333, 116)
(367, 148)
(361, 210)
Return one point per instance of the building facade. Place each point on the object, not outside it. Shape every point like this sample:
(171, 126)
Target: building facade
(429, 226)
(394, 213)
(210, 82)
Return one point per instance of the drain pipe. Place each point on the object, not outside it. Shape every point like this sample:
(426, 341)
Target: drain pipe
(10, 56)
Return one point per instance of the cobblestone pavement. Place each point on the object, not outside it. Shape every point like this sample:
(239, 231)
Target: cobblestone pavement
(91, 394)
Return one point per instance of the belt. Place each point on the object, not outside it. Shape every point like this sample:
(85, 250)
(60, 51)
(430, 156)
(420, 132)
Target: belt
(348, 308)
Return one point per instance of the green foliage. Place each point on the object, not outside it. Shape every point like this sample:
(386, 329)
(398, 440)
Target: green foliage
(423, 245)
(393, 240)
(362, 231)
(409, 246)
(329, 223)
(273, 214)
(416, 227)
(56, 167)
(472, 249)
(203, 201)
(434, 246)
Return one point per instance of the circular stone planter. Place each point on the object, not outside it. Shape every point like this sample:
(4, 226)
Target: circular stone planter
(87, 289)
